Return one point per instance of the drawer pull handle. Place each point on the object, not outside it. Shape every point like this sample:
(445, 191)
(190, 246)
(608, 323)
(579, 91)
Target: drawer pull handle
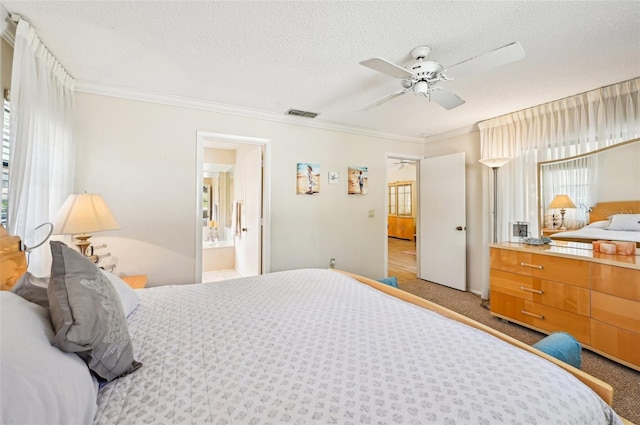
(535, 291)
(535, 266)
(537, 316)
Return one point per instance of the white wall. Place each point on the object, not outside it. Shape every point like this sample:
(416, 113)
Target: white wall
(141, 157)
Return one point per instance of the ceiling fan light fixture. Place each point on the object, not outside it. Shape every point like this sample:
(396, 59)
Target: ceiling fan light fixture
(421, 88)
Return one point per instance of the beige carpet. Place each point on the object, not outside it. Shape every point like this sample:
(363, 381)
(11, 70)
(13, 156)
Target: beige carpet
(625, 381)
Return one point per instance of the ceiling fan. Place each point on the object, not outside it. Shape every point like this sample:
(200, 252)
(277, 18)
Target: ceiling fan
(403, 163)
(423, 76)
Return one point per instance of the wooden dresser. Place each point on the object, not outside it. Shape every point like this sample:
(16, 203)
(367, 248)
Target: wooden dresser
(593, 296)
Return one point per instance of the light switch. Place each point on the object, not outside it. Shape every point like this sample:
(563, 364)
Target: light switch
(372, 213)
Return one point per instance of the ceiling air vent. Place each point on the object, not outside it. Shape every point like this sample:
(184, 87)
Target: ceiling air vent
(299, 113)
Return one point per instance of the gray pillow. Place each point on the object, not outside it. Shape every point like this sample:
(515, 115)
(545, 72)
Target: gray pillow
(87, 316)
(33, 289)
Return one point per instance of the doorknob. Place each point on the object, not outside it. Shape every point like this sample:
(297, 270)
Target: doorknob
(460, 228)
(244, 229)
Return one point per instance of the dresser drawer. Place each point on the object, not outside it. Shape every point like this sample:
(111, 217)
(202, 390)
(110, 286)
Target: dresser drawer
(616, 311)
(553, 294)
(540, 316)
(618, 281)
(619, 343)
(557, 269)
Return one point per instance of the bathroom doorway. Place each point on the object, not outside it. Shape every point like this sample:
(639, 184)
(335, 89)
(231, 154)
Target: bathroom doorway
(218, 242)
(232, 209)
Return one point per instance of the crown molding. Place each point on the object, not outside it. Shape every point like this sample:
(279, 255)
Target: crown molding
(183, 102)
(453, 133)
(7, 27)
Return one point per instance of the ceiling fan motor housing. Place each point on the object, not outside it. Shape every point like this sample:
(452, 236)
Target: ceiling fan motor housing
(428, 70)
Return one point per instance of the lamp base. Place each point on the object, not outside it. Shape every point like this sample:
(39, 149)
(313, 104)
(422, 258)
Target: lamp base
(83, 243)
(562, 226)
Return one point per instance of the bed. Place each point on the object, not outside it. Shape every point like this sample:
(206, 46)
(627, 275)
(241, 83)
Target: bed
(300, 346)
(618, 221)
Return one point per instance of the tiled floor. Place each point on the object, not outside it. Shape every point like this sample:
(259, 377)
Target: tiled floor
(219, 275)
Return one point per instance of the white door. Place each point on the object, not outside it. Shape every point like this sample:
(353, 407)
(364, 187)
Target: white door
(442, 228)
(249, 195)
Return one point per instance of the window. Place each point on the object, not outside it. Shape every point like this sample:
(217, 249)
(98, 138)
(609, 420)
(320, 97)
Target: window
(392, 199)
(404, 199)
(400, 198)
(5, 162)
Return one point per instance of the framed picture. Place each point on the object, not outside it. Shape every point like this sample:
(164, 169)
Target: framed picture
(358, 181)
(334, 177)
(308, 179)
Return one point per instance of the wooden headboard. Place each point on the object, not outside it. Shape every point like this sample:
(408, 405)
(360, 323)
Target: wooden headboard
(602, 211)
(13, 262)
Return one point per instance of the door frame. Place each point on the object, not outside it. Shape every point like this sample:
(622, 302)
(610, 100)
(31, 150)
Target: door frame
(203, 137)
(387, 157)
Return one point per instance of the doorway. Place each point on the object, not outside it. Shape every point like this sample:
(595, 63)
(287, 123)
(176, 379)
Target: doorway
(402, 214)
(232, 206)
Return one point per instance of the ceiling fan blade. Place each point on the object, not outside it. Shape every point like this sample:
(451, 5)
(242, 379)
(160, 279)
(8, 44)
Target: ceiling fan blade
(445, 98)
(383, 99)
(386, 67)
(500, 56)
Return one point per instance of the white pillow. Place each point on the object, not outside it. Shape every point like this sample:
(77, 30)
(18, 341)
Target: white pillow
(129, 298)
(603, 224)
(625, 222)
(32, 288)
(40, 383)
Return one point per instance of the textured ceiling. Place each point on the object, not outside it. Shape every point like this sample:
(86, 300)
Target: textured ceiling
(272, 56)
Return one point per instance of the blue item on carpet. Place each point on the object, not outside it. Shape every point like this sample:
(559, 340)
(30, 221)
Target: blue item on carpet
(391, 281)
(563, 347)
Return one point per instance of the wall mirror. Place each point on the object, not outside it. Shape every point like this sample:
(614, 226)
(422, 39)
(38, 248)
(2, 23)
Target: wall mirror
(607, 175)
(217, 200)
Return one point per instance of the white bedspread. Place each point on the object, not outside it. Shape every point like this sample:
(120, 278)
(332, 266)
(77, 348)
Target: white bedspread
(313, 346)
(589, 234)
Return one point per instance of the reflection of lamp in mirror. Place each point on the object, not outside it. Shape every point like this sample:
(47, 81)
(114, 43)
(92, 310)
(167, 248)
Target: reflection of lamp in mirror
(563, 202)
(494, 164)
(82, 213)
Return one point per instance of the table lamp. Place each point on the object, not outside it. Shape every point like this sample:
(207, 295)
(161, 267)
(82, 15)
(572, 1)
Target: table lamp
(83, 213)
(563, 202)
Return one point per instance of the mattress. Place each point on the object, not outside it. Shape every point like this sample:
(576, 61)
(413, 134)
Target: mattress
(314, 346)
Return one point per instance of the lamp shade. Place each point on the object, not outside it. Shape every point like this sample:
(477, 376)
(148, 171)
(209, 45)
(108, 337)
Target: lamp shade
(82, 213)
(562, 201)
(494, 162)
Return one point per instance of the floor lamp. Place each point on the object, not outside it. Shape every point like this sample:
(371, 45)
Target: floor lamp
(494, 164)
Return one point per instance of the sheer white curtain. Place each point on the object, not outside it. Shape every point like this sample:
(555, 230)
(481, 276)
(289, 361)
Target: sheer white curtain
(557, 130)
(42, 151)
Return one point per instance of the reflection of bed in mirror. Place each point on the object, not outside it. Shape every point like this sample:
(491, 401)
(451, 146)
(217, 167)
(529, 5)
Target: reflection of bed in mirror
(602, 224)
